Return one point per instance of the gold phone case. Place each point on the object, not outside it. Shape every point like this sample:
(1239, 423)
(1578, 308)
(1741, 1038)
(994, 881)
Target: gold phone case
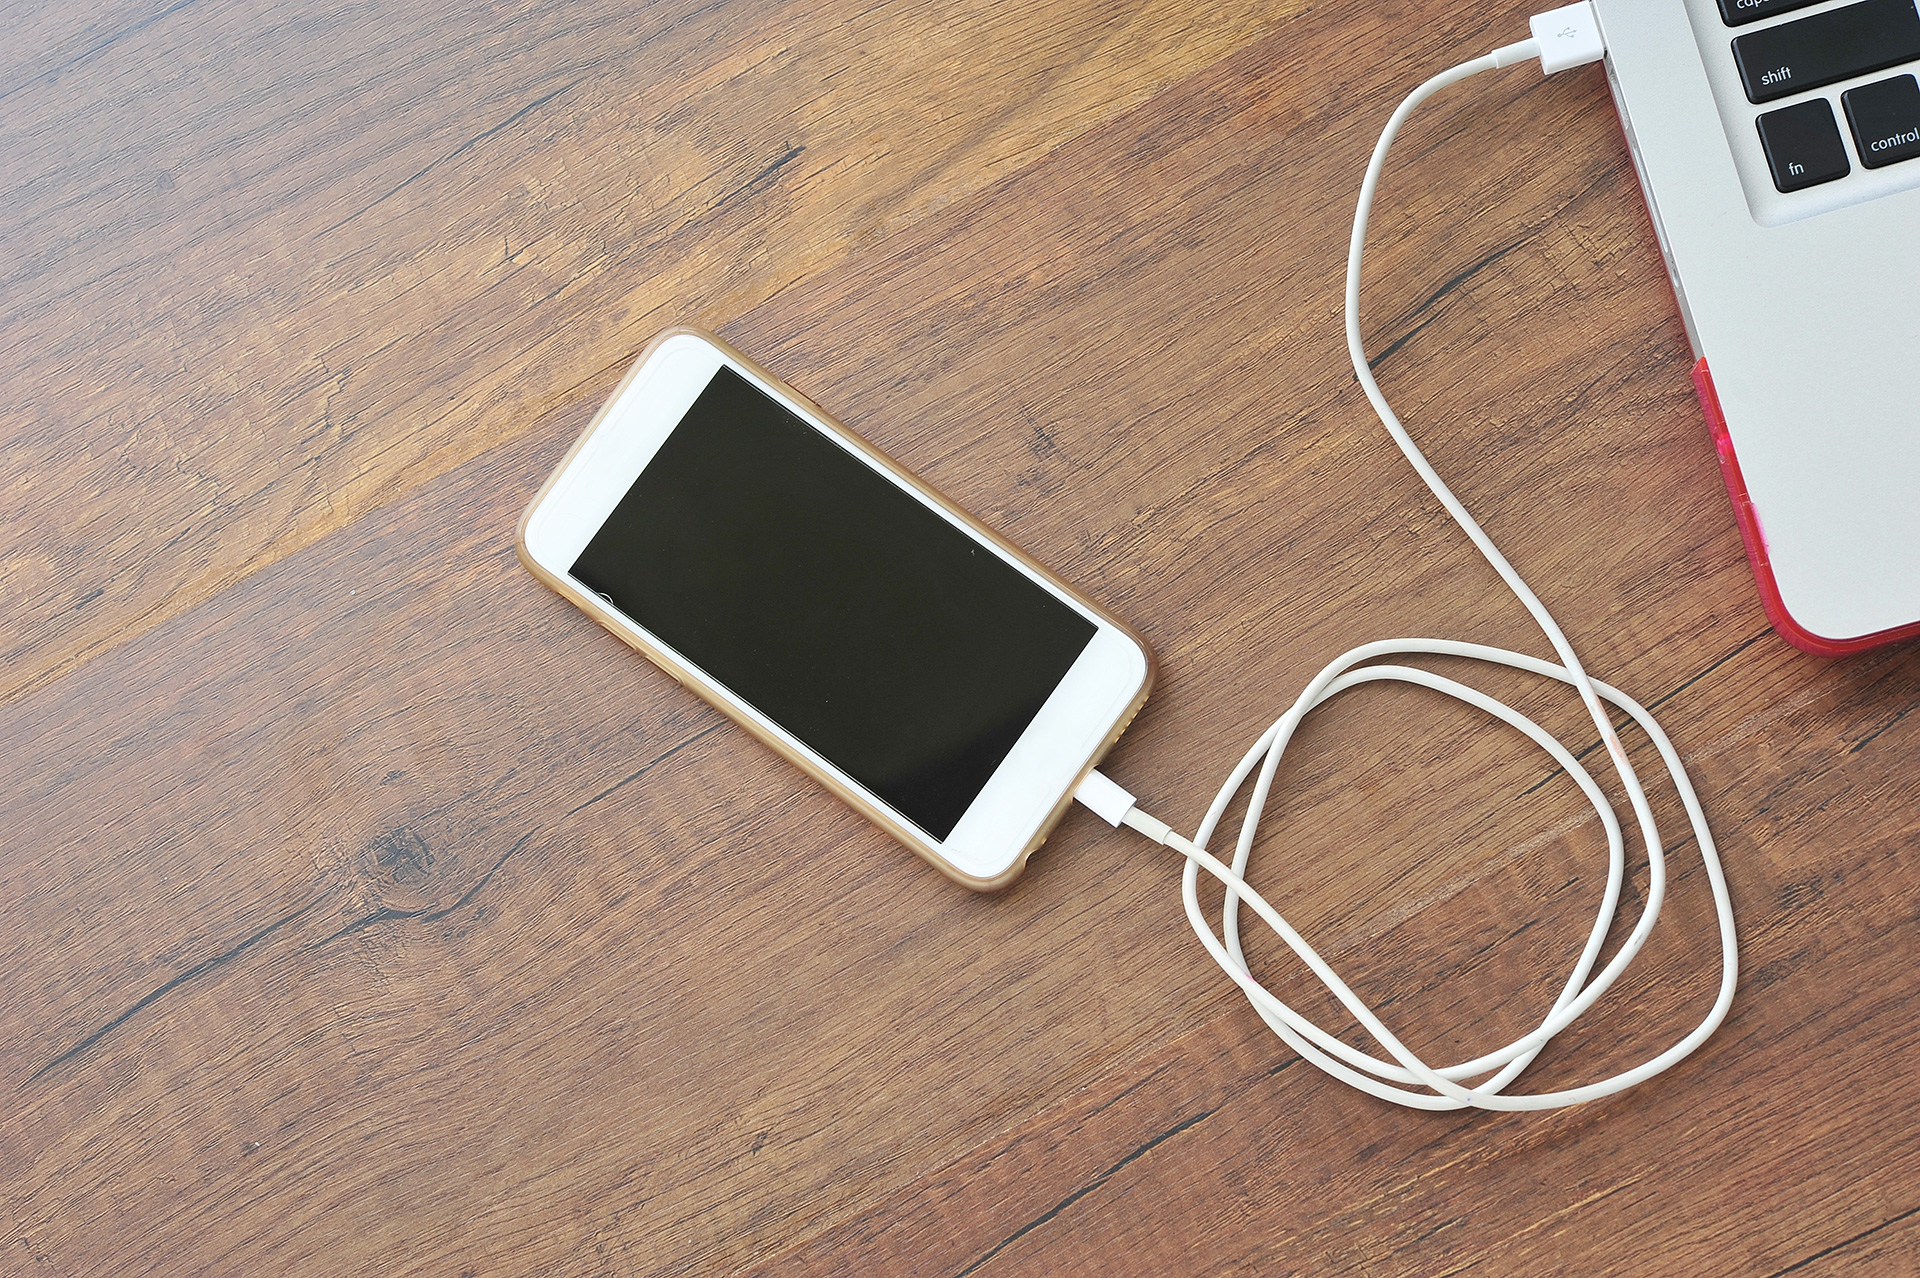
(600, 611)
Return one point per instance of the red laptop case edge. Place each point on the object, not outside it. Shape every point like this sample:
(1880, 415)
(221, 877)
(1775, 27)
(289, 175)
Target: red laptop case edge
(1792, 631)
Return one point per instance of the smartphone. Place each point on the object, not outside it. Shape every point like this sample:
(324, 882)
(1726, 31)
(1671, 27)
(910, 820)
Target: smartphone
(926, 672)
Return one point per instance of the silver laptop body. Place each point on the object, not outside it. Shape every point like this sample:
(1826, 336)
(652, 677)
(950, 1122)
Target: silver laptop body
(1802, 305)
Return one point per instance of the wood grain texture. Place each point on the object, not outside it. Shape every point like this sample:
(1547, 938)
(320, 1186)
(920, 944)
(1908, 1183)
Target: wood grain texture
(366, 909)
(265, 271)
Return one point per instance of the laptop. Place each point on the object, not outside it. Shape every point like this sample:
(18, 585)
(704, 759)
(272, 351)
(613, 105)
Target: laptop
(1778, 143)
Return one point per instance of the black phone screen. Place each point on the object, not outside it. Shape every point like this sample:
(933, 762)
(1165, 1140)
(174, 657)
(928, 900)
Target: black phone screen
(835, 603)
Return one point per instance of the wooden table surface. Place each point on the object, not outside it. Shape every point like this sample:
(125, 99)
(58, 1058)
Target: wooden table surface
(364, 909)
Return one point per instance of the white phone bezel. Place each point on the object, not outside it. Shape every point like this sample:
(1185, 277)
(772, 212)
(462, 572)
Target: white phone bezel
(1078, 721)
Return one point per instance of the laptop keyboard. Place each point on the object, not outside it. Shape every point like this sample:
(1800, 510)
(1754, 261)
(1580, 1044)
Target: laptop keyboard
(1866, 120)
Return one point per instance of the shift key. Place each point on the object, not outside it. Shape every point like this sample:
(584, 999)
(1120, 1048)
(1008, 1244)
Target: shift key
(1836, 45)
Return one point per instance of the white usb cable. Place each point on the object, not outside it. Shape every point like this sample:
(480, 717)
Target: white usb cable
(1563, 38)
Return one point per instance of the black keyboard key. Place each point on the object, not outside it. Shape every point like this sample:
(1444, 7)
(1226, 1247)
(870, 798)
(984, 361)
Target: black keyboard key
(1886, 120)
(1739, 12)
(1836, 45)
(1803, 145)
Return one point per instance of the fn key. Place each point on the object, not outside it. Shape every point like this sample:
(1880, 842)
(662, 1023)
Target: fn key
(1803, 145)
